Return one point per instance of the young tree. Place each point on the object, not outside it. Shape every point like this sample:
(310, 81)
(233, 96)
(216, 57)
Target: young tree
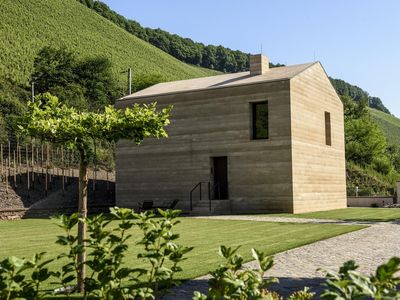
(49, 121)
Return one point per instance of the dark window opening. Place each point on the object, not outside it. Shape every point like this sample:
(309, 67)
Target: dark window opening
(328, 134)
(260, 120)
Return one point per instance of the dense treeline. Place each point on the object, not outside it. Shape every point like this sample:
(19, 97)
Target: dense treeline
(208, 56)
(357, 94)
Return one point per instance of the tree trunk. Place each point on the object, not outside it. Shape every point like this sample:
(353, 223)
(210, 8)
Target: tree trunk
(83, 184)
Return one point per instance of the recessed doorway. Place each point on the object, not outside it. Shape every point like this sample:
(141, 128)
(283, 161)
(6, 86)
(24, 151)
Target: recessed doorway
(220, 177)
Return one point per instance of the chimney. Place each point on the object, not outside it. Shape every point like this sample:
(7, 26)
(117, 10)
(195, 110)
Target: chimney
(259, 64)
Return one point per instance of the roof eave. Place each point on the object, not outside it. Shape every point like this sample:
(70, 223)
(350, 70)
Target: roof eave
(132, 97)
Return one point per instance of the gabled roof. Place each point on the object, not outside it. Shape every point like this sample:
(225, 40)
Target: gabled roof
(219, 81)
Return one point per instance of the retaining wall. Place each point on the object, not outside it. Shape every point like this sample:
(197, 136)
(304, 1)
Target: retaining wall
(19, 213)
(369, 201)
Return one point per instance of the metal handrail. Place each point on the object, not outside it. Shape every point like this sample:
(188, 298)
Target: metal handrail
(199, 184)
(210, 196)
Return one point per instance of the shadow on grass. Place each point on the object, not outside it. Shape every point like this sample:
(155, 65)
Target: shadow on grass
(285, 287)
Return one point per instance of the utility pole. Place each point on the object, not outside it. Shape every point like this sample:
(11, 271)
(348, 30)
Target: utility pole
(33, 91)
(129, 81)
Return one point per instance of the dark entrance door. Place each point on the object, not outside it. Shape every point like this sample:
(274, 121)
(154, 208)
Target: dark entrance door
(220, 177)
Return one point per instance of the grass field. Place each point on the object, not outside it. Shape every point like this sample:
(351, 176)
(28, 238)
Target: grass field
(389, 124)
(25, 237)
(351, 214)
(27, 26)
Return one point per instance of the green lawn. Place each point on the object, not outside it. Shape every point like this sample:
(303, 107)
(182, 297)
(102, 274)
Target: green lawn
(350, 214)
(23, 238)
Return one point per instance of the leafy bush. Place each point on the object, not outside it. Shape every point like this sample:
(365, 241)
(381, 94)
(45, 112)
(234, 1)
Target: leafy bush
(160, 248)
(109, 277)
(349, 284)
(14, 281)
(232, 281)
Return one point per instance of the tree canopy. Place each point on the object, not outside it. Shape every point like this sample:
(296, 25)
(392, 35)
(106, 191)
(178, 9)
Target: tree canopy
(84, 84)
(366, 145)
(49, 120)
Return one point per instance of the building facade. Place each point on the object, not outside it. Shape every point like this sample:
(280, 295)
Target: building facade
(260, 141)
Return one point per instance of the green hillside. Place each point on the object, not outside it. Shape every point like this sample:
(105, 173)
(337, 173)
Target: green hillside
(28, 26)
(389, 124)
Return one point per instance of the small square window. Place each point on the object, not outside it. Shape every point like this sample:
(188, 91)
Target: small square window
(328, 133)
(260, 120)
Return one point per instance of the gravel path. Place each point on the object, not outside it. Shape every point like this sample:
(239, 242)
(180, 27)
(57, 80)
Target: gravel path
(297, 268)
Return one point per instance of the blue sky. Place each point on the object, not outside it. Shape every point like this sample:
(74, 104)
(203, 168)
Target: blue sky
(357, 40)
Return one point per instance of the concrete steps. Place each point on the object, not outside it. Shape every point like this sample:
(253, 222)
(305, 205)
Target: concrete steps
(202, 207)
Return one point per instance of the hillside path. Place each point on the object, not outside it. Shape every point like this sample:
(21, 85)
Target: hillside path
(297, 267)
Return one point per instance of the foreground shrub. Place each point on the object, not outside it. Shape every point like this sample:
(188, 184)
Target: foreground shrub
(107, 243)
(232, 281)
(349, 284)
(21, 278)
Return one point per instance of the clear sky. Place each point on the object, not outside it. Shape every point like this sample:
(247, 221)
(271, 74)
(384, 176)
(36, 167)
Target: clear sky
(356, 40)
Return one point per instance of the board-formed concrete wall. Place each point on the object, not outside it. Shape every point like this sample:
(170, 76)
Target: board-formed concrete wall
(319, 172)
(207, 124)
(292, 171)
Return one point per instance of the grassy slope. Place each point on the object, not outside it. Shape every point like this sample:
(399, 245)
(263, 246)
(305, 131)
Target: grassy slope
(27, 26)
(24, 237)
(350, 214)
(389, 124)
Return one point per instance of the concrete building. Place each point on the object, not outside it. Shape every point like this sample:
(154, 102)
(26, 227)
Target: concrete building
(271, 139)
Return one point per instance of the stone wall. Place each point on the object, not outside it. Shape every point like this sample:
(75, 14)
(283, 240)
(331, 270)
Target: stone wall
(20, 213)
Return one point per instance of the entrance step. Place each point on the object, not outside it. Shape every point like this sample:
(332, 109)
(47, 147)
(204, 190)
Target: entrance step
(218, 207)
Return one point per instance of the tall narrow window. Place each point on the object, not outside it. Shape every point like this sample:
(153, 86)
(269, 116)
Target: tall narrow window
(328, 134)
(260, 120)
